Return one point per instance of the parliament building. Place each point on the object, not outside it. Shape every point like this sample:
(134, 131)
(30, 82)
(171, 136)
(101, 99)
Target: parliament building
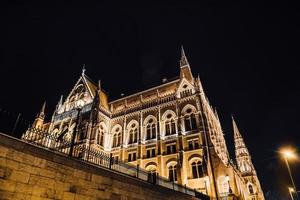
(170, 129)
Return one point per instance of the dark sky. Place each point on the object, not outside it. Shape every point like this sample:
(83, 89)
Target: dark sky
(247, 56)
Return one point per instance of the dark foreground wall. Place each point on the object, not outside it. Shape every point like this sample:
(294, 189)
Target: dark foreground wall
(29, 172)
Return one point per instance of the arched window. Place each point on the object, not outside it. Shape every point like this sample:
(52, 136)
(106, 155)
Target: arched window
(133, 136)
(250, 188)
(133, 132)
(150, 129)
(170, 125)
(197, 169)
(172, 173)
(151, 173)
(116, 137)
(100, 135)
(189, 120)
(151, 168)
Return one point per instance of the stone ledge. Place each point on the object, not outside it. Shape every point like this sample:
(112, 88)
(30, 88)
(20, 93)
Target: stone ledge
(62, 159)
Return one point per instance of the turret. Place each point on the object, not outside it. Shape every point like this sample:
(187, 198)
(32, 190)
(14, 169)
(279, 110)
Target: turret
(39, 120)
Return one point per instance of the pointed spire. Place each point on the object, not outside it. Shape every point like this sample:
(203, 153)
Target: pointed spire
(61, 100)
(183, 60)
(99, 85)
(200, 84)
(59, 104)
(236, 131)
(182, 51)
(83, 69)
(216, 114)
(241, 152)
(43, 107)
(42, 111)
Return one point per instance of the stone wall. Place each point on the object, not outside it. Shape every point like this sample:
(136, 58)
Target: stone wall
(30, 172)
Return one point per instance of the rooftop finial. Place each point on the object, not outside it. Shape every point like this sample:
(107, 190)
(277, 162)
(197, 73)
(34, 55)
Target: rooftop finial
(99, 84)
(43, 107)
(83, 69)
(182, 51)
(183, 60)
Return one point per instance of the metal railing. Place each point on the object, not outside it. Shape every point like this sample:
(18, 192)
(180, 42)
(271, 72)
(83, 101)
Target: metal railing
(82, 150)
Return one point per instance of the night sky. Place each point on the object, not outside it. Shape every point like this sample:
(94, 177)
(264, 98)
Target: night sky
(247, 57)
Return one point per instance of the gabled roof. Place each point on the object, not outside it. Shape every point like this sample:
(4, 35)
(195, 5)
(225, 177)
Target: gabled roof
(92, 89)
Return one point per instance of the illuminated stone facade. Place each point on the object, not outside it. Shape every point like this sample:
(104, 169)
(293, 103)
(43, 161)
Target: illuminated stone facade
(170, 129)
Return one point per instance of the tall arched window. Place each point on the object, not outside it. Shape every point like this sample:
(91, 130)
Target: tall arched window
(197, 169)
(151, 173)
(100, 135)
(170, 125)
(172, 173)
(189, 120)
(150, 129)
(116, 139)
(133, 133)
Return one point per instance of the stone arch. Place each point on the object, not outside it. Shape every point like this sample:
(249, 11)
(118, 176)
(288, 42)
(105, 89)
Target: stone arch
(133, 121)
(171, 161)
(101, 133)
(132, 132)
(194, 157)
(166, 113)
(188, 118)
(169, 120)
(150, 164)
(186, 107)
(148, 118)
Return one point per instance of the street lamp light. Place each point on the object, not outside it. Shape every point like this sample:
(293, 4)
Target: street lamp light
(291, 190)
(289, 154)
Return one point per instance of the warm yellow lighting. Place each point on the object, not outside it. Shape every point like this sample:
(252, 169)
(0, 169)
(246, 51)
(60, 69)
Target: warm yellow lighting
(288, 153)
(291, 189)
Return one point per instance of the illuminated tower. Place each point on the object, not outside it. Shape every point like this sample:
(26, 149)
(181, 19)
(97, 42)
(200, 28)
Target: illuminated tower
(253, 189)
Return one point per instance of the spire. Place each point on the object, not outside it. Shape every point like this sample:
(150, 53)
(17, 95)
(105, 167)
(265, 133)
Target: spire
(59, 104)
(39, 120)
(43, 107)
(183, 60)
(200, 85)
(99, 85)
(216, 114)
(236, 131)
(241, 152)
(42, 111)
(83, 70)
(185, 70)
(61, 100)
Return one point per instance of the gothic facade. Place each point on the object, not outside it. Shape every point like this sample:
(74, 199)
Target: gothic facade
(170, 129)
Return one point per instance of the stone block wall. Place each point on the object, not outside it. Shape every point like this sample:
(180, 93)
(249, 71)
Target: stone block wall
(30, 172)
